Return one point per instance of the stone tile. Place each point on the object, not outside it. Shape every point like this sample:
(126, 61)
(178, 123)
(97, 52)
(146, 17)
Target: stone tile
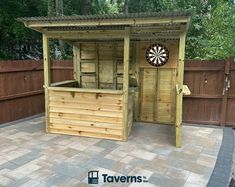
(9, 165)
(197, 179)
(122, 168)
(142, 185)
(141, 172)
(164, 181)
(179, 174)
(127, 159)
(19, 182)
(25, 158)
(41, 174)
(57, 180)
(71, 170)
(146, 155)
(194, 167)
(30, 157)
(206, 160)
(22, 171)
(107, 144)
(4, 181)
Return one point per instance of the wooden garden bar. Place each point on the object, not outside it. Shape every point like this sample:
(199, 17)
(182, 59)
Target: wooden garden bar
(113, 82)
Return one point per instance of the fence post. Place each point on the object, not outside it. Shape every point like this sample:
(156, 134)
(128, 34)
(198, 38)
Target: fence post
(225, 92)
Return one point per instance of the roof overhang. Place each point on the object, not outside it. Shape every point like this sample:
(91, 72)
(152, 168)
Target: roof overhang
(142, 26)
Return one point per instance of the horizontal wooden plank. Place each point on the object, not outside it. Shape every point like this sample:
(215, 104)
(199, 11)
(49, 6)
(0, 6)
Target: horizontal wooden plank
(62, 126)
(86, 107)
(82, 90)
(90, 106)
(110, 102)
(203, 96)
(91, 123)
(86, 134)
(63, 83)
(20, 95)
(85, 94)
(83, 117)
(21, 69)
(86, 112)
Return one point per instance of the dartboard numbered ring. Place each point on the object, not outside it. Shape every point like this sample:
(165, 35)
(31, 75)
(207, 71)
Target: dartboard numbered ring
(157, 55)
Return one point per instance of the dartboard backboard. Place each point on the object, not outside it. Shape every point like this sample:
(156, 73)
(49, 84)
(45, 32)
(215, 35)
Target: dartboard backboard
(157, 55)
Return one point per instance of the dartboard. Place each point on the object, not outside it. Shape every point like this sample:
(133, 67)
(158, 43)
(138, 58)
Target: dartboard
(157, 55)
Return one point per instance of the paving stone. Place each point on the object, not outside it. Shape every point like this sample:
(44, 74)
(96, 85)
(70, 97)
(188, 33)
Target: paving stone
(4, 181)
(122, 168)
(164, 181)
(107, 144)
(25, 158)
(30, 157)
(195, 178)
(9, 165)
(18, 183)
(146, 155)
(127, 159)
(22, 171)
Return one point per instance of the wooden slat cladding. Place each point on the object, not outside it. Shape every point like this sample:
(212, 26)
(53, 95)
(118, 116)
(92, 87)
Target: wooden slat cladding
(130, 112)
(96, 115)
(105, 58)
(157, 95)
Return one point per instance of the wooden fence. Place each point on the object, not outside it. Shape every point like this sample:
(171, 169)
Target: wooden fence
(212, 84)
(21, 87)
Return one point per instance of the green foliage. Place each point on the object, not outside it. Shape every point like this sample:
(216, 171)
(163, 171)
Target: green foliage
(219, 38)
(11, 31)
(211, 34)
(106, 6)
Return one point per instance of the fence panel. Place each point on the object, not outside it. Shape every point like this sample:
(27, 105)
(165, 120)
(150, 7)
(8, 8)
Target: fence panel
(21, 87)
(21, 90)
(210, 101)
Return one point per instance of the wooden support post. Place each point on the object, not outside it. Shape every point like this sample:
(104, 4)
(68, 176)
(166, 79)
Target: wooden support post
(126, 82)
(136, 69)
(115, 66)
(77, 64)
(179, 96)
(97, 66)
(47, 77)
(225, 92)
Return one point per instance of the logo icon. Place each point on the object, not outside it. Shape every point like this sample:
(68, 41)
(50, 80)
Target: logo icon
(93, 177)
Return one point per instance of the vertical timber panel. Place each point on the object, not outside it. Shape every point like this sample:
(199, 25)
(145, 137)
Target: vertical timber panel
(179, 96)
(148, 94)
(97, 66)
(76, 63)
(126, 82)
(137, 77)
(47, 76)
(115, 66)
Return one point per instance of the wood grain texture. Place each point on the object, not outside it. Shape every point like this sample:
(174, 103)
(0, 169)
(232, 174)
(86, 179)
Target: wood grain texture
(96, 115)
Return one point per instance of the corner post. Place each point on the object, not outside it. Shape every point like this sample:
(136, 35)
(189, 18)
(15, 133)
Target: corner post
(126, 82)
(47, 76)
(179, 94)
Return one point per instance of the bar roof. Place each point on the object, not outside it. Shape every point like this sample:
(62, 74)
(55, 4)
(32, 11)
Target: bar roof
(109, 16)
(168, 22)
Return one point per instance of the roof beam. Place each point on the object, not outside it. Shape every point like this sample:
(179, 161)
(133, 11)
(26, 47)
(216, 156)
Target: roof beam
(111, 22)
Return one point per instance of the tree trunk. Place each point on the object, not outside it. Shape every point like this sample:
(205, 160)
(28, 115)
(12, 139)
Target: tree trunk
(59, 7)
(55, 8)
(85, 7)
(126, 7)
(51, 11)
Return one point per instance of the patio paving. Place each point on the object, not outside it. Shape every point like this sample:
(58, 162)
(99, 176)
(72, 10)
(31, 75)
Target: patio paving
(30, 157)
